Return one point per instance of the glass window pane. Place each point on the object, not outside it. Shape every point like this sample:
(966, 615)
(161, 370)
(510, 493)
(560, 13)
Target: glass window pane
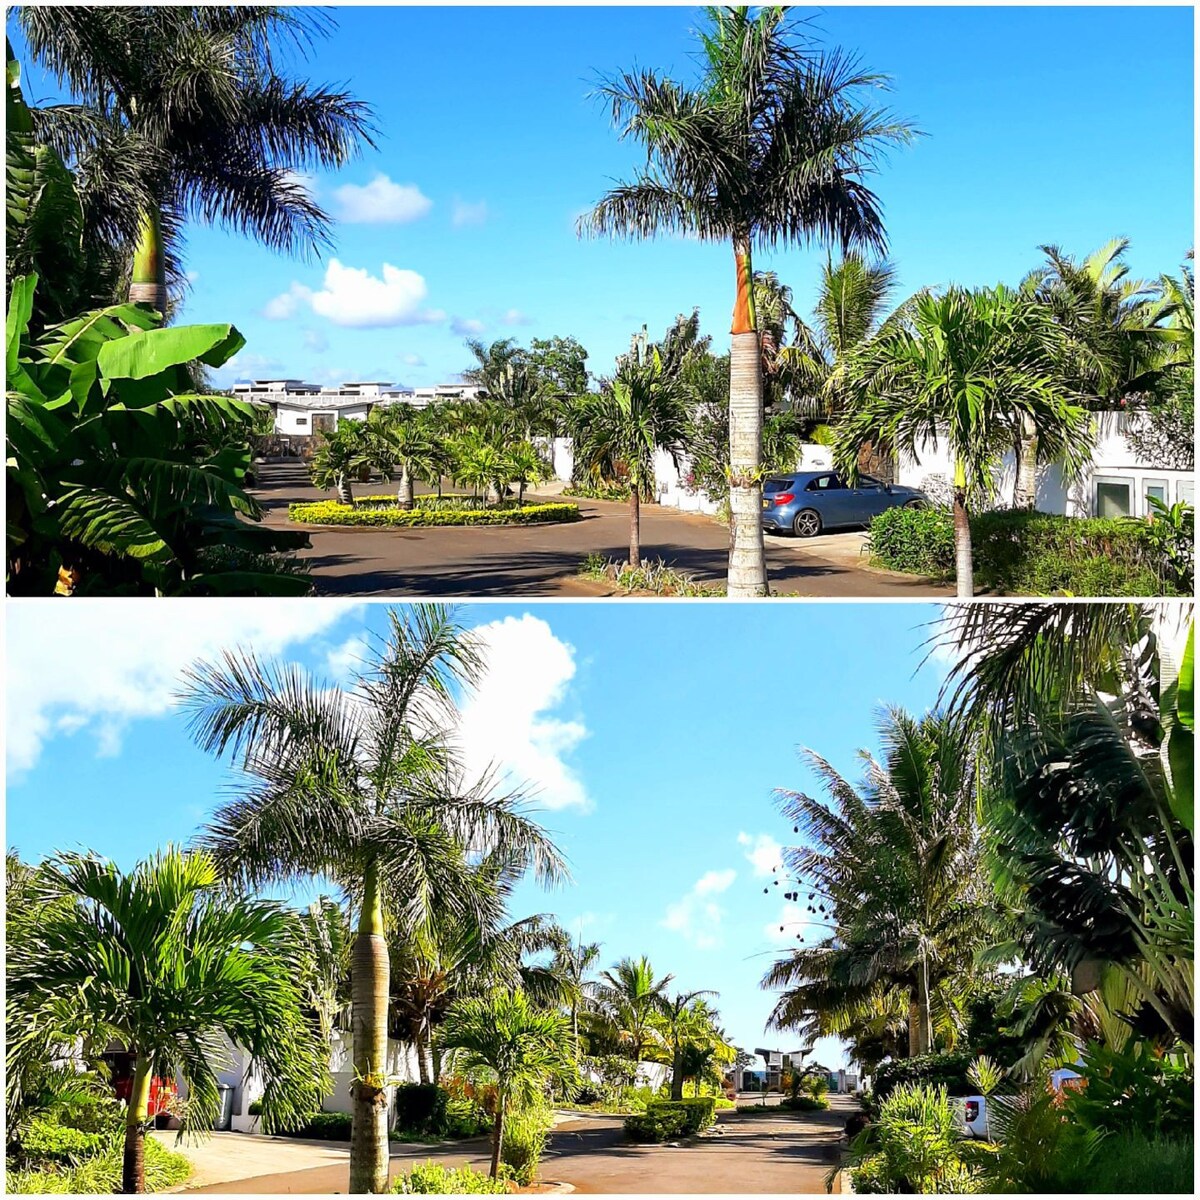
(1187, 491)
(1112, 500)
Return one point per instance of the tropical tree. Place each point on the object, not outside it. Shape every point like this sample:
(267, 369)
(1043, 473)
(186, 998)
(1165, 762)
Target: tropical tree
(525, 1046)
(632, 997)
(573, 963)
(893, 876)
(620, 429)
(406, 443)
(193, 97)
(525, 464)
(679, 1017)
(341, 456)
(491, 362)
(770, 147)
(361, 786)
(966, 369)
(167, 963)
(324, 939)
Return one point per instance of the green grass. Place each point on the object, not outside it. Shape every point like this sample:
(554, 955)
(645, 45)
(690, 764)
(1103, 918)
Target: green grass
(652, 576)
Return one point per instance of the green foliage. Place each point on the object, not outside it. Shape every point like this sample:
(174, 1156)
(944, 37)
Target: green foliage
(666, 1120)
(121, 478)
(45, 1141)
(323, 1126)
(525, 1134)
(1135, 1091)
(433, 1179)
(101, 1173)
(464, 1118)
(604, 491)
(1028, 553)
(1171, 536)
(806, 1103)
(421, 1108)
(948, 1071)
(913, 1146)
(1129, 1164)
(654, 575)
(330, 512)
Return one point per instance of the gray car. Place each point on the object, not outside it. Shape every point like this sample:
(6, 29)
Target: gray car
(809, 501)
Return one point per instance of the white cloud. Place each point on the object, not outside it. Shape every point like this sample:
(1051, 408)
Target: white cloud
(763, 853)
(467, 326)
(696, 916)
(353, 297)
(315, 340)
(343, 661)
(509, 719)
(381, 202)
(97, 669)
(412, 360)
(466, 212)
(514, 316)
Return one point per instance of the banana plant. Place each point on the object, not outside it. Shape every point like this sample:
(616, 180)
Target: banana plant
(122, 478)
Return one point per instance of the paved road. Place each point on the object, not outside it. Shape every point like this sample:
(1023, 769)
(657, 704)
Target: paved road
(750, 1153)
(542, 560)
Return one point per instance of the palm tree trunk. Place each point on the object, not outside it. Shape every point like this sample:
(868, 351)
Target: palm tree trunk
(914, 1026)
(1025, 488)
(133, 1162)
(497, 1132)
(677, 1074)
(435, 1060)
(924, 1016)
(635, 527)
(422, 1061)
(747, 557)
(345, 494)
(148, 281)
(369, 989)
(405, 495)
(964, 567)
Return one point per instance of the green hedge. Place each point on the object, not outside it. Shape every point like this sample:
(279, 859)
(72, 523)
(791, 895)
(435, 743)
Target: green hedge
(327, 1126)
(665, 1120)
(330, 512)
(1026, 553)
(947, 1070)
(433, 1179)
(421, 1108)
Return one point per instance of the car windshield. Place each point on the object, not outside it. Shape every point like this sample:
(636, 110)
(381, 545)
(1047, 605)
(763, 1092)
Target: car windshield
(776, 485)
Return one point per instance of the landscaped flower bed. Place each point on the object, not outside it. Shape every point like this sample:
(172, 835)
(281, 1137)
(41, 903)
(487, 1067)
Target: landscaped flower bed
(385, 511)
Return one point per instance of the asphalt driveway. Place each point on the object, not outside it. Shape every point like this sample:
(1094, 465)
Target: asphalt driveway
(746, 1153)
(542, 560)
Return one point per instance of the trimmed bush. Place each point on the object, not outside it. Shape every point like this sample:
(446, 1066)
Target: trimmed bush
(421, 1108)
(330, 512)
(946, 1070)
(806, 1104)
(525, 1143)
(665, 1120)
(1026, 553)
(101, 1173)
(324, 1126)
(46, 1142)
(433, 1179)
(609, 491)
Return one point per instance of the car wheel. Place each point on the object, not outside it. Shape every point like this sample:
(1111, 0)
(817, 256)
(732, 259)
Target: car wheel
(807, 523)
(915, 504)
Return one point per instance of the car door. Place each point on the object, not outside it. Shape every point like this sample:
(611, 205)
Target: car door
(869, 499)
(829, 496)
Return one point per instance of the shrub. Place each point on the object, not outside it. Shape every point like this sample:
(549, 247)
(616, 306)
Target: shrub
(254, 1109)
(430, 1178)
(44, 1141)
(653, 575)
(665, 1120)
(1131, 1164)
(607, 491)
(525, 1143)
(464, 1119)
(101, 1173)
(1134, 1091)
(330, 512)
(806, 1103)
(947, 1070)
(325, 1126)
(421, 1108)
(1028, 553)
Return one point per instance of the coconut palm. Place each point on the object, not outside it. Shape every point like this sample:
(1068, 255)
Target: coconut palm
(491, 362)
(968, 369)
(573, 963)
(678, 1014)
(525, 1046)
(892, 876)
(401, 438)
(361, 786)
(342, 455)
(164, 961)
(194, 93)
(632, 996)
(640, 412)
(770, 147)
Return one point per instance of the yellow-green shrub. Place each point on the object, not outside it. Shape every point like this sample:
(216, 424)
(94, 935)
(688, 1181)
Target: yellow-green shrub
(330, 512)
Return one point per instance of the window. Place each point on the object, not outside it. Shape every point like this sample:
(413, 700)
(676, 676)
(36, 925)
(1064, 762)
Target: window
(867, 484)
(301, 420)
(1156, 488)
(1187, 491)
(1114, 498)
(776, 485)
(824, 483)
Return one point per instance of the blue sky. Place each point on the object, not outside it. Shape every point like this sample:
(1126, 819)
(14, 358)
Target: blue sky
(656, 733)
(1044, 124)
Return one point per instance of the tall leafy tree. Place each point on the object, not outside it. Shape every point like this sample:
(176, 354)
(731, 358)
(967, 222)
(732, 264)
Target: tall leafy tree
(361, 786)
(167, 963)
(968, 369)
(632, 997)
(678, 1013)
(196, 96)
(525, 1046)
(771, 146)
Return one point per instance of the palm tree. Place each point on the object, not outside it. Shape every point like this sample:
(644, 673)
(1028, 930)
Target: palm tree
(525, 464)
(641, 411)
(573, 963)
(524, 1045)
(195, 93)
(775, 315)
(171, 966)
(491, 362)
(632, 997)
(362, 787)
(405, 440)
(676, 1012)
(968, 368)
(324, 938)
(770, 147)
(343, 453)
(893, 875)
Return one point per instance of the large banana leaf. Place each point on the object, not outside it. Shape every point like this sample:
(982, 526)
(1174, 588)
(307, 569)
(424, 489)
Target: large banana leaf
(148, 352)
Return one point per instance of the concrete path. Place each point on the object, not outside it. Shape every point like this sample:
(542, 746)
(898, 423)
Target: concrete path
(746, 1153)
(542, 560)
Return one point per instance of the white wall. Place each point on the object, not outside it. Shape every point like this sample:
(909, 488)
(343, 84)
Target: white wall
(292, 420)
